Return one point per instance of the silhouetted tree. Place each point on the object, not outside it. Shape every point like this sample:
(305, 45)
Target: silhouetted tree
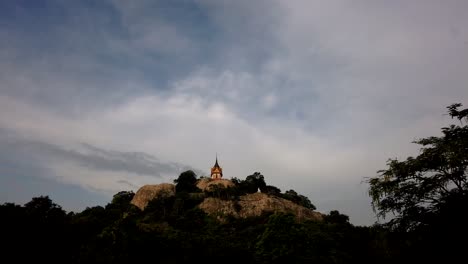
(298, 199)
(42, 208)
(336, 217)
(425, 194)
(120, 204)
(272, 190)
(253, 183)
(122, 198)
(417, 189)
(186, 182)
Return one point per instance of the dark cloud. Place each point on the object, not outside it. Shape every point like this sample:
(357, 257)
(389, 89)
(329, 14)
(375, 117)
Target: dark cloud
(128, 184)
(35, 152)
(23, 175)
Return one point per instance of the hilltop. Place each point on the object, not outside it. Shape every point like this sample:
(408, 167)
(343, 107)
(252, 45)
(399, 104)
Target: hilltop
(243, 206)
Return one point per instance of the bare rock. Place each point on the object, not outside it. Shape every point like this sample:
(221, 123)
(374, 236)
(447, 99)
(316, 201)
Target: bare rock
(255, 204)
(149, 192)
(206, 184)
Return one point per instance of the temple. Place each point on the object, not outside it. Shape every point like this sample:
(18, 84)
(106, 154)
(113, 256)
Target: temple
(216, 171)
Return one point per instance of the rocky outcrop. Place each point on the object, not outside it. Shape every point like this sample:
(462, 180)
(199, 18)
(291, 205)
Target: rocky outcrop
(249, 205)
(254, 205)
(206, 184)
(149, 192)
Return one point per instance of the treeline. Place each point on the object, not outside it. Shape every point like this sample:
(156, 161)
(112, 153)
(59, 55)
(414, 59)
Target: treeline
(173, 230)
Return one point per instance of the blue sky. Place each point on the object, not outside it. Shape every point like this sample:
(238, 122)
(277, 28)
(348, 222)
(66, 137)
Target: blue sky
(102, 96)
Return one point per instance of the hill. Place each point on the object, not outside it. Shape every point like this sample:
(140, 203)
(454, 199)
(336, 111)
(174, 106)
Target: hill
(244, 206)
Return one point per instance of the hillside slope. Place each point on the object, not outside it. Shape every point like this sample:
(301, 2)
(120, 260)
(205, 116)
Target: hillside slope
(249, 205)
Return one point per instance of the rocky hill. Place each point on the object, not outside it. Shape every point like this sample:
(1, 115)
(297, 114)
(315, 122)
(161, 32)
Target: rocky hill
(149, 192)
(255, 204)
(206, 184)
(248, 205)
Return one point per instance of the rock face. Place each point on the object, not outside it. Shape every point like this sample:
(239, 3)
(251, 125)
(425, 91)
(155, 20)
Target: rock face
(148, 192)
(249, 205)
(254, 205)
(207, 184)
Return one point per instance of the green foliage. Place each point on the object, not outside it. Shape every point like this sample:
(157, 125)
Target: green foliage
(281, 240)
(186, 182)
(252, 184)
(123, 198)
(418, 189)
(34, 229)
(336, 218)
(285, 240)
(120, 204)
(255, 182)
(427, 194)
(42, 207)
(271, 190)
(298, 199)
(174, 230)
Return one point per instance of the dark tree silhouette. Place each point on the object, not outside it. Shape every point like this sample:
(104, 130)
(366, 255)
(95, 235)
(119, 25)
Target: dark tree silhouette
(428, 194)
(417, 189)
(186, 182)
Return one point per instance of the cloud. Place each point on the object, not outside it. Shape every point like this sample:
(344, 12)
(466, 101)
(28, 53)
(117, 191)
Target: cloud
(85, 165)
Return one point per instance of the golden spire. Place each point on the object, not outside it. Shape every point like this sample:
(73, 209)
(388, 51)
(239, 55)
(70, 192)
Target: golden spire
(216, 164)
(216, 171)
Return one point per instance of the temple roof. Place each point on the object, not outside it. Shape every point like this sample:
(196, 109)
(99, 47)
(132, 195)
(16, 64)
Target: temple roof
(216, 171)
(216, 164)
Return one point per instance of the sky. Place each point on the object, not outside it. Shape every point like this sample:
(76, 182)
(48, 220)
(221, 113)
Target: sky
(97, 97)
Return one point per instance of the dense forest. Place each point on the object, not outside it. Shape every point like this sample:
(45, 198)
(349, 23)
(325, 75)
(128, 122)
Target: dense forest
(423, 198)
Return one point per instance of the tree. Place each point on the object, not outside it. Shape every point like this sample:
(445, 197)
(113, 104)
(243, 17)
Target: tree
(43, 209)
(122, 198)
(282, 241)
(422, 191)
(273, 190)
(336, 217)
(186, 182)
(45, 228)
(304, 201)
(298, 199)
(120, 204)
(254, 182)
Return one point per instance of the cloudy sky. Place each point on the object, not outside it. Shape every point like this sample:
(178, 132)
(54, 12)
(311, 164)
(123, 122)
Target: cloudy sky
(102, 96)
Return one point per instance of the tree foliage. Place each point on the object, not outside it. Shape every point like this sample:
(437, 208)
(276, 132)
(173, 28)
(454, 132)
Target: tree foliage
(173, 230)
(122, 198)
(256, 182)
(336, 217)
(421, 190)
(298, 199)
(186, 182)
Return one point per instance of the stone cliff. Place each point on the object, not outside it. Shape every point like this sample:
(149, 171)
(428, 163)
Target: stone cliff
(149, 192)
(255, 204)
(248, 205)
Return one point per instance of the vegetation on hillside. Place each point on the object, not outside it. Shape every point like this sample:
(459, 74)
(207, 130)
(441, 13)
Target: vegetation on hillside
(426, 197)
